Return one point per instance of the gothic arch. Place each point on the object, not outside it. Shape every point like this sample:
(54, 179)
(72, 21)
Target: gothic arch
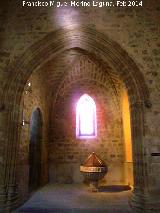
(107, 51)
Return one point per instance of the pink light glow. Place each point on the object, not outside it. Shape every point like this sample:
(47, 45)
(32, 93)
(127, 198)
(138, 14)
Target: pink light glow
(86, 124)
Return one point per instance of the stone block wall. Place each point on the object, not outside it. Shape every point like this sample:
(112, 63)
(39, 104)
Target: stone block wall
(67, 152)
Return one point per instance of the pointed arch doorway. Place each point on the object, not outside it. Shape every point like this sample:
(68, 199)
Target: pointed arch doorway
(107, 50)
(35, 149)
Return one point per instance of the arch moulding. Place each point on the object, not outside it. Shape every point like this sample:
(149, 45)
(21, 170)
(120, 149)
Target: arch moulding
(105, 50)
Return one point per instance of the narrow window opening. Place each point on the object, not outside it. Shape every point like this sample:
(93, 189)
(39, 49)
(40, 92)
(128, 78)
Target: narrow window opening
(86, 122)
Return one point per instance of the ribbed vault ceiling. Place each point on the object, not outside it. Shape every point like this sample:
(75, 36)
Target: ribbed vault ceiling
(58, 68)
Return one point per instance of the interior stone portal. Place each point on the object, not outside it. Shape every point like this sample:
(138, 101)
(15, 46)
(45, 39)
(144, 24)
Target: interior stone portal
(60, 152)
(68, 81)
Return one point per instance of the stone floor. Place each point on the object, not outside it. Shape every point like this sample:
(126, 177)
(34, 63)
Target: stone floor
(73, 198)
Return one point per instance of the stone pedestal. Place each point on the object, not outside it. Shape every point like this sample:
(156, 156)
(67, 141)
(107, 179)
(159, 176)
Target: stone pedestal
(94, 186)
